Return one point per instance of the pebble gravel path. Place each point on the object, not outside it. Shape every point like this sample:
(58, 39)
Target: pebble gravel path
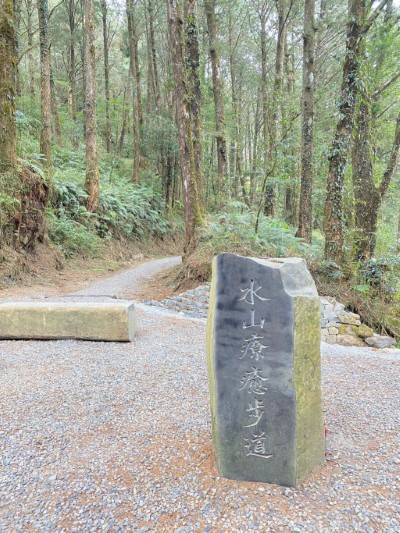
(116, 437)
(123, 285)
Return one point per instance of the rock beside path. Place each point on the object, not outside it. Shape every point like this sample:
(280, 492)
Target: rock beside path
(380, 341)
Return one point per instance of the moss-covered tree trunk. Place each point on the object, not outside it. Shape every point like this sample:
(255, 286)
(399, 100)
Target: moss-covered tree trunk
(8, 132)
(45, 83)
(17, 23)
(106, 74)
(30, 8)
(56, 123)
(192, 67)
(277, 97)
(153, 53)
(218, 94)
(136, 93)
(71, 7)
(333, 222)
(236, 151)
(367, 196)
(307, 108)
(182, 95)
(92, 180)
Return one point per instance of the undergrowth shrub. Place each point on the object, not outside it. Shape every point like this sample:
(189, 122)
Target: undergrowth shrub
(129, 211)
(125, 211)
(233, 231)
(71, 236)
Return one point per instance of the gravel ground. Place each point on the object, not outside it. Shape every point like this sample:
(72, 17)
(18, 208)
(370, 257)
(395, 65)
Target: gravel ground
(123, 285)
(116, 437)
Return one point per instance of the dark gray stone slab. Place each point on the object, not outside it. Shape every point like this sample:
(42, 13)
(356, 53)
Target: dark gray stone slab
(264, 369)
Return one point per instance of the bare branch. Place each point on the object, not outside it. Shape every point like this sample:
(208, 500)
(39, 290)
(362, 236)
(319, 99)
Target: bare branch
(374, 16)
(387, 175)
(387, 84)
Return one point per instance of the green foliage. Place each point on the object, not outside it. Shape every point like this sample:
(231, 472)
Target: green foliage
(71, 236)
(125, 211)
(233, 231)
(129, 211)
(330, 270)
(382, 276)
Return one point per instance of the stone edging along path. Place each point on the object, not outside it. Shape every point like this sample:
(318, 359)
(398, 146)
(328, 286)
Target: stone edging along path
(338, 326)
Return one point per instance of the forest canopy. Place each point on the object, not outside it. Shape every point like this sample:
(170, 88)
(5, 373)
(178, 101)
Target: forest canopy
(119, 119)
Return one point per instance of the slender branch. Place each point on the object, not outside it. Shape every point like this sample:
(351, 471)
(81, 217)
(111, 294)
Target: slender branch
(25, 52)
(374, 16)
(54, 8)
(387, 84)
(387, 175)
(386, 109)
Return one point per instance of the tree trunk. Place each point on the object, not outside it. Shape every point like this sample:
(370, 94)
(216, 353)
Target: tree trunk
(253, 167)
(290, 150)
(54, 108)
(31, 73)
(45, 84)
(186, 152)
(307, 107)
(283, 18)
(218, 93)
(136, 96)
(368, 197)
(236, 168)
(124, 121)
(152, 44)
(92, 181)
(264, 83)
(17, 25)
(192, 68)
(106, 74)
(151, 100)
(398, 235)
(8, 62)
(71, 8)
(333, 220)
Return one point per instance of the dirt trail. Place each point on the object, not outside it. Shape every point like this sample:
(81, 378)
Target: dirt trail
(130, 283)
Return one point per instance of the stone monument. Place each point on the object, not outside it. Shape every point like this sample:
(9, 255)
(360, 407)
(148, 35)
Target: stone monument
(263, 355)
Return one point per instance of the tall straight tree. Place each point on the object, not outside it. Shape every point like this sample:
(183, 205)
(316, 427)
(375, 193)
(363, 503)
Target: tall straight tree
(218, 92)
(8, 62)
(92, 180)
(283, 10)
(45, 82)
(192, 65)
(367, 196)
(357, 28)
(72, 8)
(175, 13)
(136, 94)
(30, 9)
(106, 73)
(307, 108)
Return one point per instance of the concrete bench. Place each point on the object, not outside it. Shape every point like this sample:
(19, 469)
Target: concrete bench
(99, 321)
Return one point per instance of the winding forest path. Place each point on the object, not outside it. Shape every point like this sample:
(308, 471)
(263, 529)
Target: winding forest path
(103, 436)
(128, 283)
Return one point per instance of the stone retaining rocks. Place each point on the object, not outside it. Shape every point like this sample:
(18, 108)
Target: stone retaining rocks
(337, 325)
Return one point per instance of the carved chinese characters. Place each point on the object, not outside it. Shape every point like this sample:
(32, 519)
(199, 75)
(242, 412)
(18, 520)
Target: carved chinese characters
(264, 369)
(253, 379)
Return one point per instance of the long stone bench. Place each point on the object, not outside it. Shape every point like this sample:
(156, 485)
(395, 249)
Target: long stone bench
(99, 321)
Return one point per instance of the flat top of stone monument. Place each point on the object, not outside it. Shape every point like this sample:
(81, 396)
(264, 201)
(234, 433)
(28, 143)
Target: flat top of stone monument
(296, 278)
(275, 262)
